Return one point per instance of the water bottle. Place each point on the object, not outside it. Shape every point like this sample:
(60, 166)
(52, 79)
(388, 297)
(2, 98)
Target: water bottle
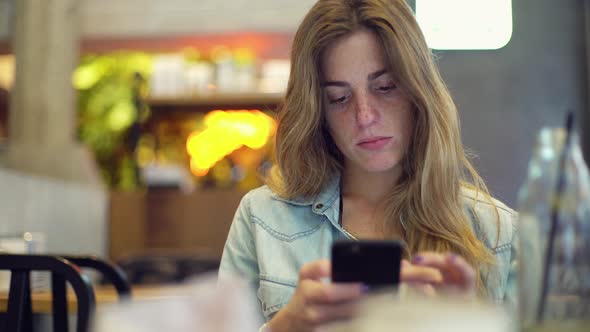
(555, 286)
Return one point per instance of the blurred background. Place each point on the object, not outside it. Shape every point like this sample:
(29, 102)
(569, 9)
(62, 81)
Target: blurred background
(135, 127)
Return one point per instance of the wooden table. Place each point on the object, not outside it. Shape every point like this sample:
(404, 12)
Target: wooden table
(105, 295)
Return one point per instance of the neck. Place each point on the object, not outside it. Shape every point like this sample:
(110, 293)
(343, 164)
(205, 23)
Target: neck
(371, 187)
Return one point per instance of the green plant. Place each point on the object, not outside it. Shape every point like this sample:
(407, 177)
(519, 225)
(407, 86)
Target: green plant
(110, 89)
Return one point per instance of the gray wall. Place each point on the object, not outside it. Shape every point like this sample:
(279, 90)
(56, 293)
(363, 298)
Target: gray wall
(505, 96)
(73, 217)
(151, 18)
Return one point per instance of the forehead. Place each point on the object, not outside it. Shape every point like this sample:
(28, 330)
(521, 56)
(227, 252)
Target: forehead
(358, 53)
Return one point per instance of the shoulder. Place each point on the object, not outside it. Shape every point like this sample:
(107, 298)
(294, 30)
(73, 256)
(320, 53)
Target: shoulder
(264, 198)
(493, 221)
(280, 218)
(261, 194)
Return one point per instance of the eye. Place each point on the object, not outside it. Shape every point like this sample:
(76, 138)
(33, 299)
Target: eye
(338, 100)
(386, 87)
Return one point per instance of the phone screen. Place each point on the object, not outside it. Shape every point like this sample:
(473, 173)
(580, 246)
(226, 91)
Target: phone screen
(374, 263)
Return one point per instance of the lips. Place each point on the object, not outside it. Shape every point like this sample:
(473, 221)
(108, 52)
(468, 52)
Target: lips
(374, 143)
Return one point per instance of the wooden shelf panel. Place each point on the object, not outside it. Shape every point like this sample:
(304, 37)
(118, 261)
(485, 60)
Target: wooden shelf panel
(264, 101)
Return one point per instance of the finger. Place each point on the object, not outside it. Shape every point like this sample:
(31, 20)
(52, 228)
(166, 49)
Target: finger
(427, 258)
(454, 268)
(421, 274)
(466, 274)
(429, 290)
(405, 263)
(451, 274)
(423, 289)
(325, 313)
(322, 293)
(316, 270)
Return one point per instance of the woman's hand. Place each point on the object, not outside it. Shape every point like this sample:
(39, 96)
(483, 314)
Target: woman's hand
(315, 302)
(433, 272)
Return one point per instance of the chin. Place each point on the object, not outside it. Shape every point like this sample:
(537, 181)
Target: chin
(382, 166)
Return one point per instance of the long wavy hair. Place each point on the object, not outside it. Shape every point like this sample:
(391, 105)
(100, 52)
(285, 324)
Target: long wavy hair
(428, 196)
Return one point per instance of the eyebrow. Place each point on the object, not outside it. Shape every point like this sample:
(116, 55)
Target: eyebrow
(372, 76)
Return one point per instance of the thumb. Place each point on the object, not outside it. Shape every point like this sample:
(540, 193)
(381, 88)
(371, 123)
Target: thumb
(316, 270)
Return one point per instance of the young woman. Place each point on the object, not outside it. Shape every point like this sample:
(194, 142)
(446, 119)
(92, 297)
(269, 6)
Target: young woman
(367, 147)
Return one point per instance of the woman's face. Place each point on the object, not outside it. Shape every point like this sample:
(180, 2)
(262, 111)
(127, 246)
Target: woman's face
(369, 117)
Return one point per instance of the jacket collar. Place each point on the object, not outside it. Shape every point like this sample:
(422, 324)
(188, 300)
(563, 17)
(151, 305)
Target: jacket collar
(322, 201)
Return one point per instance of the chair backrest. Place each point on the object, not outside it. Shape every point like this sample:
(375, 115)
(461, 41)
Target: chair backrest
(109, 271)
(19, 310)
(166, 267)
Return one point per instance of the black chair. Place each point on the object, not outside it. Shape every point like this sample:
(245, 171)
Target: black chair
(110, 272)
(19, 310)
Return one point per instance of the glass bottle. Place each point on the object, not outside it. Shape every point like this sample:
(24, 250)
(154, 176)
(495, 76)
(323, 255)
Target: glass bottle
(567, 300)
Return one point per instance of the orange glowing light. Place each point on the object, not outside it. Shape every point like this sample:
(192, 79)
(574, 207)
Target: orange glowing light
(227, 131)
(196, 170)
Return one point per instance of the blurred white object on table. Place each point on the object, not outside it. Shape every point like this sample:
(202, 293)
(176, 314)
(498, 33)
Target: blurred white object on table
(387, 312)
(207, 306)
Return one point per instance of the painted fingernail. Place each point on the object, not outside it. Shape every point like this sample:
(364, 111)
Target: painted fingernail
(365, 288)
(417, 259)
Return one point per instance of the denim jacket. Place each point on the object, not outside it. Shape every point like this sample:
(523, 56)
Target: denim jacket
(271, 238)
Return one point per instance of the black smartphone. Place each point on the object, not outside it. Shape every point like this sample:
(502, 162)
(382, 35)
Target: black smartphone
(373, 263)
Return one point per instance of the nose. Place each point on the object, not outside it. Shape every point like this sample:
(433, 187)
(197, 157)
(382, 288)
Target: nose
(366, 114)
